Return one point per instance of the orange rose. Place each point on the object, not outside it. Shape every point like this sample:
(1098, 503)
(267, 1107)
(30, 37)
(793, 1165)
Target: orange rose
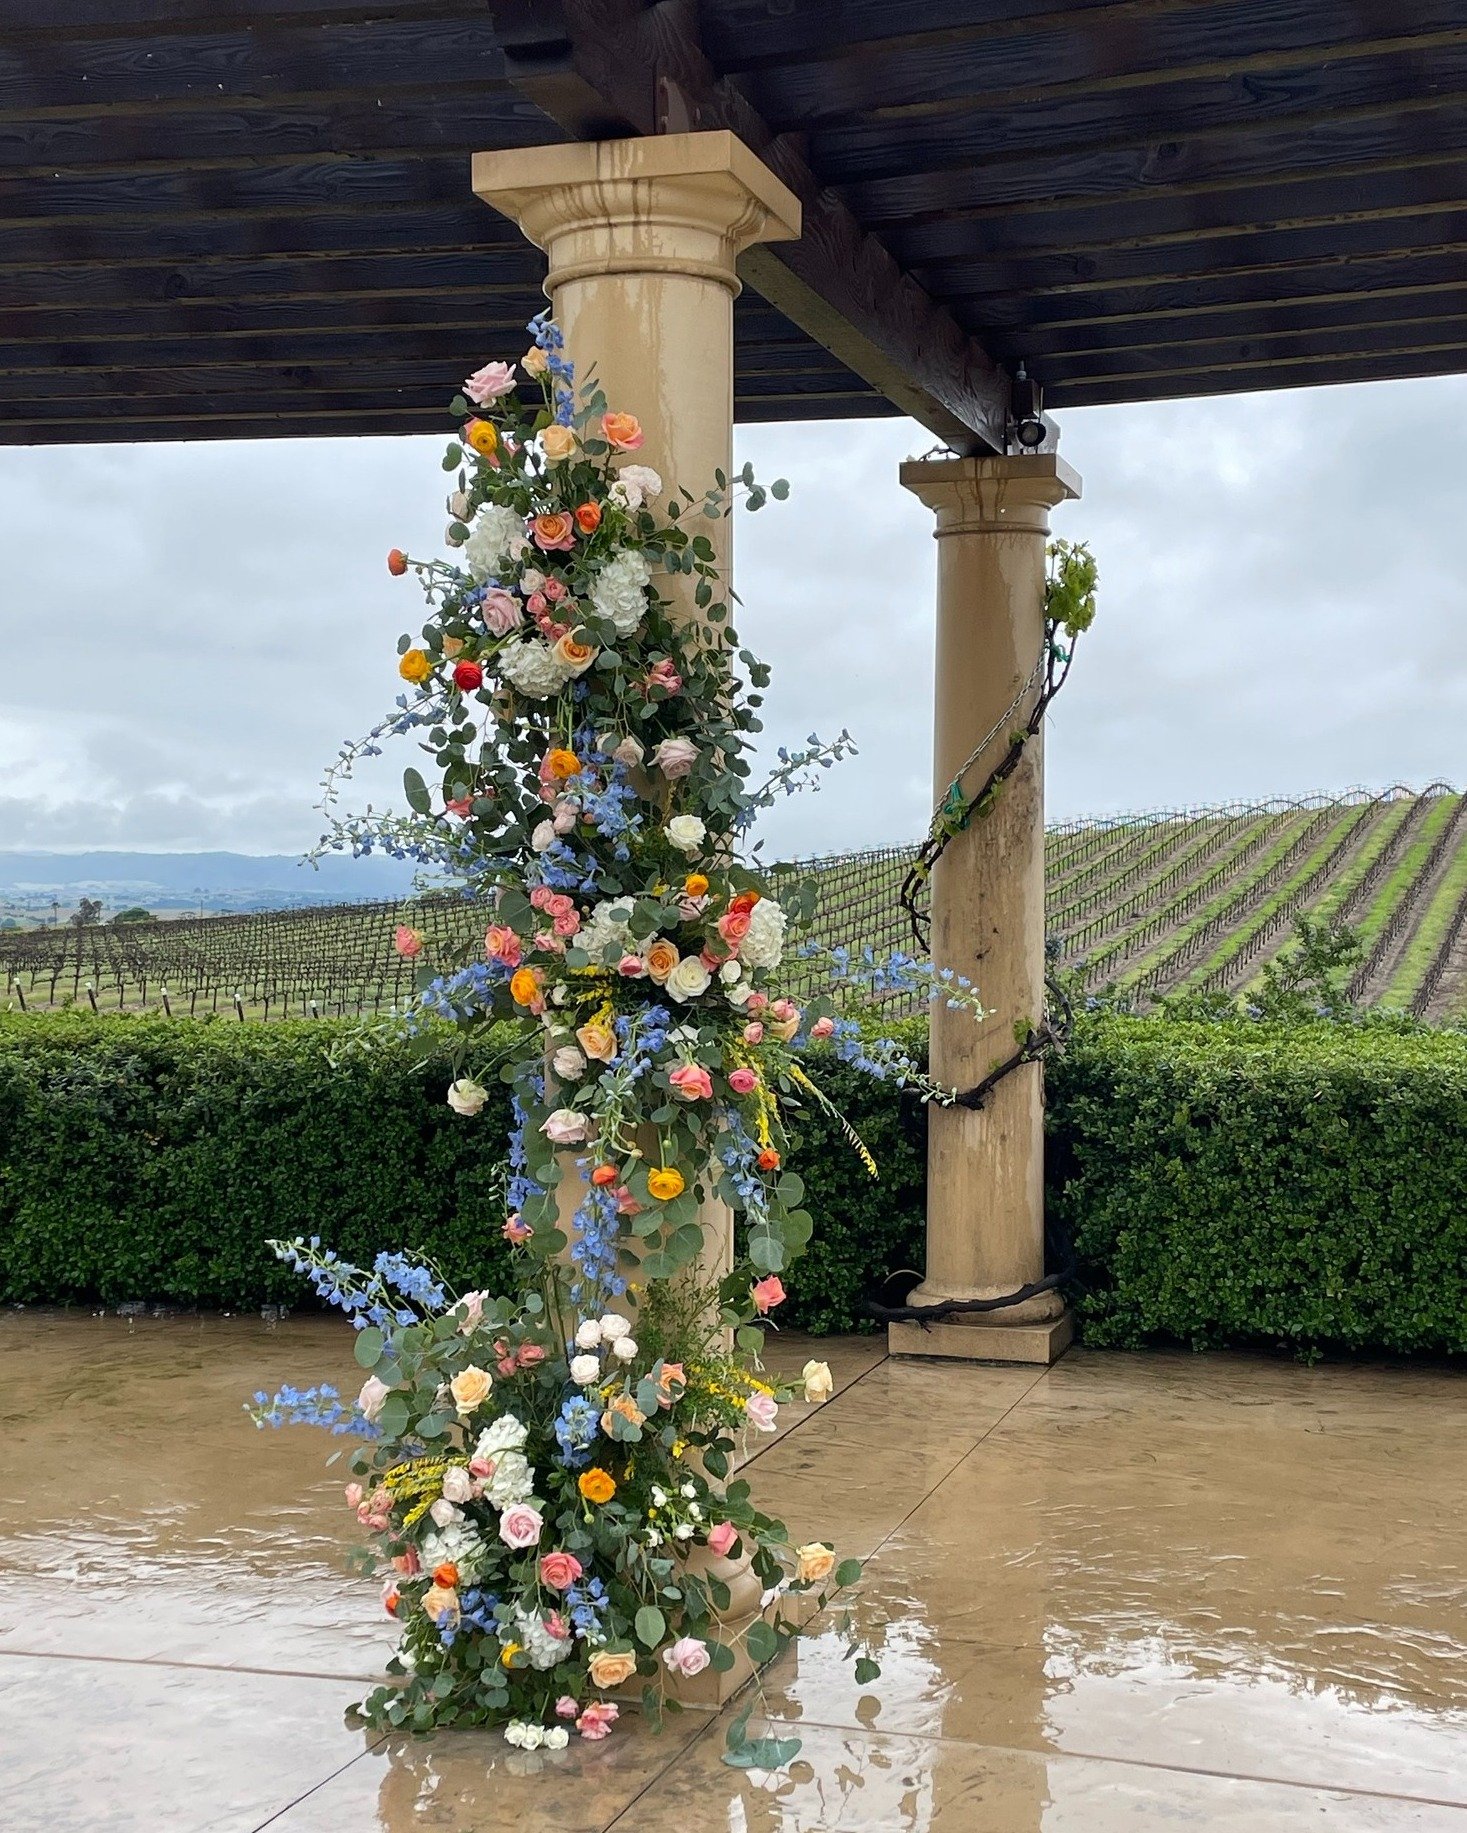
(661, 958)
(397, 562)
(553, 532)
(622, 432)
(768, 1159)
(482, 437)
(576, 656)
(588, 518)
(446, 1575)
(611, 1667)
(604, 1175)
(623, 1407)
(596, 1485)
(524, 986)
(745, 901)
(557, 443)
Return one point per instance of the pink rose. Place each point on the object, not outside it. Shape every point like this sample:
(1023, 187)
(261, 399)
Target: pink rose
(691, 1081)
(554, 590)
(556, 1625)
(598, 1718)
(768, 1293)
(687, 1656)
(662, 674)
(761, 1412)
(823, 1027)
(675, 757)
(519, 1525)
(559, 1570)
(631, 967)
(733, 926)
(458, 1485)
(568, 924)
(517, 1233)
(743, 1081)
(354, 1495)
(754, 1032)
(756, 1002)
(566, 1707)
(784, 1008)
(500, 611)
(540, 897)
(501, 944)
(489, 383)
(407, 941)
(407, 1564)
(482, 1468)
(529, 1355)
(722, 1537)
(626, 1203)
(548, 943)
(565, 1127)
(563, 817)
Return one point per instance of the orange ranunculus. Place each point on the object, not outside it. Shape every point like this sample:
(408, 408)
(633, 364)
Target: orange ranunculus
(623, 432)
(481, 436)
(604, 1175)
(446, 1575)
(661, 957)
(553, 532)
(695, 885)
(416, 665)
(397, 562)
(588, 518)
(768, 1159)
(560, 764)
(596, 1484)
(745, 901)
(524, 986)
(665, 1182)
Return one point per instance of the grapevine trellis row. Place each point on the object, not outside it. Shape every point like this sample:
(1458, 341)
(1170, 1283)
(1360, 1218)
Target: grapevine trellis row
(1198, 897)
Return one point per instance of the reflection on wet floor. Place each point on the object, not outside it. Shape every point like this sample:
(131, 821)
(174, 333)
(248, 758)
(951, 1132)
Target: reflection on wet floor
(1127, 1593)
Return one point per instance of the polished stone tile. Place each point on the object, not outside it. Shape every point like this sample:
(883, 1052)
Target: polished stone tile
(114, 1747)
(862, 1782)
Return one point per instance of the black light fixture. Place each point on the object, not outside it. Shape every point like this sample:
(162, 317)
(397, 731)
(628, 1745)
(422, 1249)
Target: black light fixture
(1026, 410)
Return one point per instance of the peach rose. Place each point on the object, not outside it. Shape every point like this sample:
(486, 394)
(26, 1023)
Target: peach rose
(661, 957)
(622, 432)
(597, 1040)
(611, 1667)
(557, 443)
(814, 1563)
(470, 1388)
(578, 657)
(553, 532)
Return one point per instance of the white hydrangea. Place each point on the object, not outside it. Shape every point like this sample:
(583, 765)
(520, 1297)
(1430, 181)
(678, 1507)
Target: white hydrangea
(543, 1649)
(533, 668)
(620, 591)
(497, 535)
(636, 485)
(763, 946)
(506, 1434)
(608, 923)
(458, 1544)
(513, 1480)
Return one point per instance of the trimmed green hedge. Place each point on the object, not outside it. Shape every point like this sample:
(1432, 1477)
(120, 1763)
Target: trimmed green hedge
(1246, 1183)
(1224, 1183)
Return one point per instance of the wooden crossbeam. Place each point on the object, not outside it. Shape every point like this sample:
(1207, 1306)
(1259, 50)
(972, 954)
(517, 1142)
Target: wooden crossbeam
(1370, 365)
(607, 67)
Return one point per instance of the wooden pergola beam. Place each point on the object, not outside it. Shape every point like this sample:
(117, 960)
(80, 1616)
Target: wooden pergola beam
(603, 69)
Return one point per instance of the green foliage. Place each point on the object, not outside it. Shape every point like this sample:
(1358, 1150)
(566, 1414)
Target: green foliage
(135, 913)
(1265, 1183)
(1226, 1183)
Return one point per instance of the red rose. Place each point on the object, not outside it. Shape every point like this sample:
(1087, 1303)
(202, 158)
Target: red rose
(467, 676)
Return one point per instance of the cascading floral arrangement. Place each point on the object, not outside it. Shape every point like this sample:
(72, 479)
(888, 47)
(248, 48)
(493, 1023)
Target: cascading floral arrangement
(546, 1475)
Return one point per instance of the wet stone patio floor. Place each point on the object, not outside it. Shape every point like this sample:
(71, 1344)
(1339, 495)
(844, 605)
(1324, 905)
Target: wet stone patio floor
(1129, 1593)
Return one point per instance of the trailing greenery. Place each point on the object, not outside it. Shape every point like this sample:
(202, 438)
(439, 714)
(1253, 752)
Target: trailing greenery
(1265, 1183)
(1294, 1183)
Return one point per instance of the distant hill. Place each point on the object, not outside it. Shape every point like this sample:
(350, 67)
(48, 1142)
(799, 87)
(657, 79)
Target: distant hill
(186, 881)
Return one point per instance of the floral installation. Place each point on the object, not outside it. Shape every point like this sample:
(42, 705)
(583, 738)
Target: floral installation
(547, 1477)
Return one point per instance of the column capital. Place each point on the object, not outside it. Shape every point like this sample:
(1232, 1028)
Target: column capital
(992, 495)
(665, 204)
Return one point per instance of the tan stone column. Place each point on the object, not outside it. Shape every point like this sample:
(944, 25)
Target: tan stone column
(642, 237)
(985, 1168)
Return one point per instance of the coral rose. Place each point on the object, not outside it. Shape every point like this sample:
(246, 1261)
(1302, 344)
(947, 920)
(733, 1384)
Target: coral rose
(596, 1485)
(559, 1570)
(815, 1563)
(823, 1027)
(470, 1388)
(446, 1575)
(721, 1538)
(502, 944)
(768, 1159)
(622, 432)
(588, 518)
(768, 1293)
(691, 1082)
(611, 1667)
(597, 1719)
(407, 941)
(554, 532)
(733, 926)
(665, 1182)
(604, 1175)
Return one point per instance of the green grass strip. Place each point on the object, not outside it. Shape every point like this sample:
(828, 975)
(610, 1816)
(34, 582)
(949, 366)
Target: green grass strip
(1434, 923)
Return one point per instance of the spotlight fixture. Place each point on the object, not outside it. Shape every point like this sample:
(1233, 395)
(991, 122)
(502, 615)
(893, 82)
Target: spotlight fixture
(1026, 410)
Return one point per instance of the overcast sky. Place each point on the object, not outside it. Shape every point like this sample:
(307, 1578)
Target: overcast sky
(190, 630)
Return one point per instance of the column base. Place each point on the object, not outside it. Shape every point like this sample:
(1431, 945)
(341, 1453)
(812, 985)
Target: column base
(984, 1339)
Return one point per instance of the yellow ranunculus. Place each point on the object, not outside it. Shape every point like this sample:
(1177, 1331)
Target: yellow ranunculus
(482, 437)
(508, 1652)
(596, 1484)
(695, 885)
(416, 665)
(665, 1182)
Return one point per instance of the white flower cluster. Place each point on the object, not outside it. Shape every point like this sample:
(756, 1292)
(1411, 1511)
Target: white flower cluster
(506, 1434)
(497, 535)
(608, 923)
(457, 1544)
(542, 1648)
(533, 668)
(525, 1736)
(763, 946)
(620, 591)
(635, 485)
(613, 1333)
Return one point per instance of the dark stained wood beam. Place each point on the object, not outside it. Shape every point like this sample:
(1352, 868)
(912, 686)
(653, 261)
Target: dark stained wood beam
(62, 18)
(1368, 366)
(613, 66)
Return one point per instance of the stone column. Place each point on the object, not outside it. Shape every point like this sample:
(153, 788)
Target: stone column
(985, 1168)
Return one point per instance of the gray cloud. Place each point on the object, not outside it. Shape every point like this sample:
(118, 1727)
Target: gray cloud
(189, 631)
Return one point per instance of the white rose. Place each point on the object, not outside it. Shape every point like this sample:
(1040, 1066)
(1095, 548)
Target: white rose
(514, 1733)
(588, 1335)
(585, 1371)
(819, 1385)
(740, 995)
(466, 1096)
(556, 1737)
(458, 1485)
(763, 945)
(534, 1737)
(729, 972)
(373, 1393)
(635, 485)
(568, 1063)
(688, 979)
(687, 833)
(613, 1326)
(543, 836)
(624, 1349)
(444, 1513)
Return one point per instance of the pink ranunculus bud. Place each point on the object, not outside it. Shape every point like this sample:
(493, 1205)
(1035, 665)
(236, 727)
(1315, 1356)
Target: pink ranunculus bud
(721, 1538)
(631, 967)
(566, 1707)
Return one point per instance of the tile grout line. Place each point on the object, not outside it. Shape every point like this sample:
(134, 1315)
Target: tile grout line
(316, 1787)
(188, 1667)
(620, 1815)
(783, 1438)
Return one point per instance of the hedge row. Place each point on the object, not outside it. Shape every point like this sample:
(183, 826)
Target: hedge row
(1224, 1183)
